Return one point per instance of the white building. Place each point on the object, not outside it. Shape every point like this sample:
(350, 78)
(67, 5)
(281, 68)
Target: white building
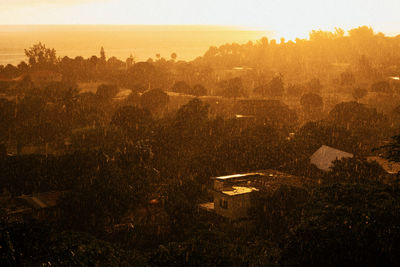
(233, 193)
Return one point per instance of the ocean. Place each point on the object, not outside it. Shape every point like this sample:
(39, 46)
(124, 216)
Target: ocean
(142, 41)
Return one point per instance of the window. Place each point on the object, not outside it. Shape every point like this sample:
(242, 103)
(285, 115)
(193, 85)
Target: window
(223, 203)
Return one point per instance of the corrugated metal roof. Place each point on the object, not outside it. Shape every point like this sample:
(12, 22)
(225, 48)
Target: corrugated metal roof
(325, 155)
(239, 190)
(42, 200)
(239, 175)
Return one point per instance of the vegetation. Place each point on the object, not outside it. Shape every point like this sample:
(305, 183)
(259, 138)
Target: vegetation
(131, 147)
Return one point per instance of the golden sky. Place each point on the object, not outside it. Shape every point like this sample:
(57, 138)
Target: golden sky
(288, 18)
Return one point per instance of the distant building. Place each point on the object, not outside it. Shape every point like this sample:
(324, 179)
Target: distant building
(233, 193)
(39, 206)
(324, 157)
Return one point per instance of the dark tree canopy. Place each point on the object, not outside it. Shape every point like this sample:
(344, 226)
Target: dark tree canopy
(359, 93)
(353, 114)
(193, 113)
(198, 90)
(314, 86)
(39, 55)
(154, 100)
(181, 87)
(107, 91)
(381, 87)
(232, 88)
(276, 87)
(311, 101)
(132, 119)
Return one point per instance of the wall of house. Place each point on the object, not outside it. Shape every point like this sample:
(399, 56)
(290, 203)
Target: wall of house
(232, 207)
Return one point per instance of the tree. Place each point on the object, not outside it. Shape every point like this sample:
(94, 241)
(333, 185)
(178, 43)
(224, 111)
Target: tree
(181, 87)
(347, 78)
(7, 113)
(154, 100)
(272, 112)
(101, 198)
(134, 120)
(106, 91)
(392, 150)
(40, 56)
(276, 212)
(314, 134)
(355, 169)
(362, 33)
(173, 56)
(359, 93)
(142, 75)
(381, 87)
(359, 222)
(314, 86)
(198, 90)
(295, 90)
(232, 88)
(353, 115)
(130, 61)
(28, 118)
(192, 114)
(312, 105)
(275, 86)
(369, 126)
(102, 55)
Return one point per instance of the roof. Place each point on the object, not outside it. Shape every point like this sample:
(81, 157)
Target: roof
(265, 180)
(123, 94)
(323, 158)
(239, 175)
(238, 190)
(251, 175)
(239, 116)
(42, 200)
(208, 206)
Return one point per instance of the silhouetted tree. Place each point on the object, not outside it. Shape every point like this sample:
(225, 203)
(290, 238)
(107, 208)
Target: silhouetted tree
(198, 90)
(106, 91)
(181, 87)
(232, 88)
(173, 56)
(355, 169)
(275, 87)
(347, 78)
(7, 117)
(314, 86)
(39, 55)
(312, 105)
(134, 120)
(359, 93)
(154, 100)
(357, 221)
(381, 87)
(102, 55)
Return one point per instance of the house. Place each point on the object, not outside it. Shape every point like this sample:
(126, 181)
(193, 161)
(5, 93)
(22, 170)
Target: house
(324, 157)
(233, 194)
(233, 202)
(39, 206)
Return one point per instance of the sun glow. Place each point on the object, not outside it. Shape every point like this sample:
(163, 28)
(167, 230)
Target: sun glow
(287, 18)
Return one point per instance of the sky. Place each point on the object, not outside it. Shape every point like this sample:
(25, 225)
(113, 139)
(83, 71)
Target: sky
(287, 18)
